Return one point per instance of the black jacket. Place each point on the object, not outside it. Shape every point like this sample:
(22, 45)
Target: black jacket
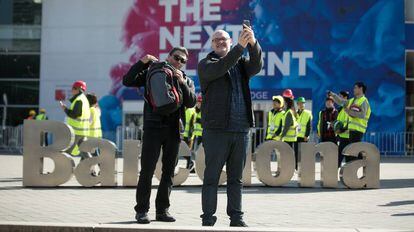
(136, 77)
(77, 108)
(216, 87)
(327, 115)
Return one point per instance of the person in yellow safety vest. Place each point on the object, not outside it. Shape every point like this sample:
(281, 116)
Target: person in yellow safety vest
(197, 132)
(190, 117)
(359, 112)
(78, 116)
(274, 119)
(304, 118)
(341, 128)
(198, 128)
(95, 130)
(289, 124)
(42, 116)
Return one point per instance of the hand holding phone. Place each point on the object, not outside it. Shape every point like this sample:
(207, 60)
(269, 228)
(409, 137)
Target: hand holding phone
(247, 29)
(62, 105)
(246, 23)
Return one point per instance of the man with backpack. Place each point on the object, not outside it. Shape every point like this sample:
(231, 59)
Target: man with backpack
(168, 91)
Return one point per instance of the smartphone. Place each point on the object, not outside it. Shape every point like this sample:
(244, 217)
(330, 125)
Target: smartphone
(247, 23)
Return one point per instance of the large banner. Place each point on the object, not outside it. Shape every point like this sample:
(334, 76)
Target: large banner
(309, 46)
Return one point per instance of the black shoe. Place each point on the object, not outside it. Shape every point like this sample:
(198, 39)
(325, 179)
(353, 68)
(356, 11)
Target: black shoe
(209, 222)
(239, 223)
(164, 217)
(142, 218)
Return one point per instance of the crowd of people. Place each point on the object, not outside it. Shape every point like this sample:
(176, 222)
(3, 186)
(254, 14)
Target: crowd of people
(220, 118)
(341, 125)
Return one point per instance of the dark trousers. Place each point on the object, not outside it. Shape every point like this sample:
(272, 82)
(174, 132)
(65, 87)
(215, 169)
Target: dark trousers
(196, 145)
(343, 142)
(329, 139)
(221, 148)
(295, 146)
(153, 140)
(78, 140)
(354, 137)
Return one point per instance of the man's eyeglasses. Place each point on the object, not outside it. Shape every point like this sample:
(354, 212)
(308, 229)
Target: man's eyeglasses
(222, 39)
(180, 59)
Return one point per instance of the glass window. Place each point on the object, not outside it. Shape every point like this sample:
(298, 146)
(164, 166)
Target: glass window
(20, 92)
(17, 66)
(409, 10)
(409, 65)
(409, 94)
(410, 120)
(27, 12)
(19, 45)
(6, 11)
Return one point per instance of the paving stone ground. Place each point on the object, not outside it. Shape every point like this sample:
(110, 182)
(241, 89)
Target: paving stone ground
(390, 207)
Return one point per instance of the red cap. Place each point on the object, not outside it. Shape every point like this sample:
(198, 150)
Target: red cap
(79, 84)
(288, 93)
(199, 98)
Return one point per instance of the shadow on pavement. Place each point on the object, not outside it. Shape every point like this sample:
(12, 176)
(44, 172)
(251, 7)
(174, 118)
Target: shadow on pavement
(122, 223)
(402, 214)
(398, 203)
(7, 180)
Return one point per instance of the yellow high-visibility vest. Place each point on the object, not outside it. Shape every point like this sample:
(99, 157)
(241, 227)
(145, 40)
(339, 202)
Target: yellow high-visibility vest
(189, 121)
(343, 117)
(303, 120)
(275, 122)
(291, 135)
(95, 129)
(41, 117)
(80, 124)
(359, 124)
(198, 128)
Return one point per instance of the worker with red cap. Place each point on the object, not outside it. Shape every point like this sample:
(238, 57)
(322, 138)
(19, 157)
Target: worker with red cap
(78, 115)
(289, 123)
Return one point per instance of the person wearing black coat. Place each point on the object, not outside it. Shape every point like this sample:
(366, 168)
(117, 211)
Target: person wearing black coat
(160, 132)
(227, 116)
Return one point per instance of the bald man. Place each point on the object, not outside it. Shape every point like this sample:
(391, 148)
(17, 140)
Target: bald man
(226, 118)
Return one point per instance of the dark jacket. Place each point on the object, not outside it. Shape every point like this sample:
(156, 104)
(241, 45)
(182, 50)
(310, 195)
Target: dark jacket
(136, 77)
(77, 108)
(327, 118)
(216, 87)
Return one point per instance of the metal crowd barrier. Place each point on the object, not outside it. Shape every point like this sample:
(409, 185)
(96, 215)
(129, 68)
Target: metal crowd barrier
(389, 143)
(11, 139)
(127, 133)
